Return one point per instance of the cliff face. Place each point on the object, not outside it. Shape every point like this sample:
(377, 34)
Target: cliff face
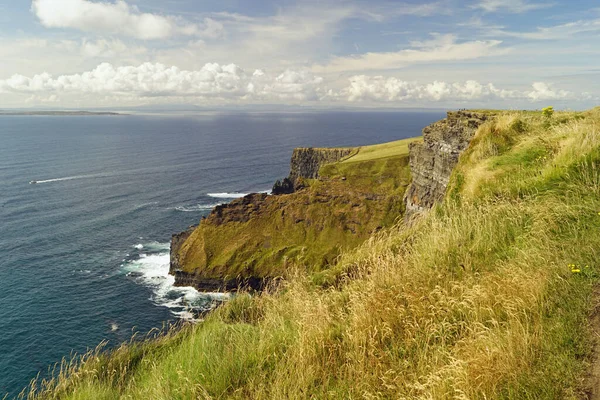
(258, 237)
(433, 160)
(332, 200)
(306, 163)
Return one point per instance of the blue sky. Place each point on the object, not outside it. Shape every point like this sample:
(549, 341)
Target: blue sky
(328, 53)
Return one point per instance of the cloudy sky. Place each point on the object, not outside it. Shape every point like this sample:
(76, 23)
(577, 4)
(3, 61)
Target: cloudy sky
(325, 53)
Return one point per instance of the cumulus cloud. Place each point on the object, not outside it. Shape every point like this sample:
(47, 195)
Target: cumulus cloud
(231, 83)
(391, 89)
(543, 91)
(440, 48)
(117, 18)
(157, 80)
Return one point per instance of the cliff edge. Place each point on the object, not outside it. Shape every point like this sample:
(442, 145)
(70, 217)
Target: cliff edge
(332, 201)
(433, 160)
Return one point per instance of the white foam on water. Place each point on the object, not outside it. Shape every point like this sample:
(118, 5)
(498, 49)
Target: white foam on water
(227, 195)
(198, 207)
(152, 270)
(138, 246)
(70, 178)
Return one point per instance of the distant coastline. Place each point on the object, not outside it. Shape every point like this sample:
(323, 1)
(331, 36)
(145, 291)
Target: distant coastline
(58, 113)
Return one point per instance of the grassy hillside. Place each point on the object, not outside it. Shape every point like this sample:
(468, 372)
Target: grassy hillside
(311, 227)
(486, 297)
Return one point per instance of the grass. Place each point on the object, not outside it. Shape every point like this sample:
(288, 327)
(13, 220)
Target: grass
(378, 151)
(311, 227)
(477, 300)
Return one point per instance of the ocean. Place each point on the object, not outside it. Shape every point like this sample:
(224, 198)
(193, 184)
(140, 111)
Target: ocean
(84, 252)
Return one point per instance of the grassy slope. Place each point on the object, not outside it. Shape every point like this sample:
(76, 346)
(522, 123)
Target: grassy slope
(310, 227)
(477, 300)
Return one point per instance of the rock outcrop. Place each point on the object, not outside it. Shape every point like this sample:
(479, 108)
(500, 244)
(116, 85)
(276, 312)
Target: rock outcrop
(433, 160)
(306, 163)
(335, 206)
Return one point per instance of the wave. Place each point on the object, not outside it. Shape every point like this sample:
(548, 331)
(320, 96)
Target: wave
(198, 207)
(227, 195)
(152, 270)
(234, 195)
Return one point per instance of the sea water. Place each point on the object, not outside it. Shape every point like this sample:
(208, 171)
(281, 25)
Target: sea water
(84, 252)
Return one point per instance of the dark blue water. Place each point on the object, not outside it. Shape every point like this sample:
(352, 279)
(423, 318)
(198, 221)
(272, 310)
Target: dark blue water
(84, 252)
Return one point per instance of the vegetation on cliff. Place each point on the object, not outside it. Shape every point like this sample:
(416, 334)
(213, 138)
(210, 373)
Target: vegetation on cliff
(486, 296)
(260, 236)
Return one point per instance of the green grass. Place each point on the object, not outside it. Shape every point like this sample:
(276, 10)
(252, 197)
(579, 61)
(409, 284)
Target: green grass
(312, 227)
(378, 151)
(477, 300)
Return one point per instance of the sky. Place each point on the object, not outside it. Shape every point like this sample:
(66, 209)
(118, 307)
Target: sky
(329, 53)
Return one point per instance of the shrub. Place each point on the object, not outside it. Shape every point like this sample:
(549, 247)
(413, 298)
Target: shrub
(548, 111)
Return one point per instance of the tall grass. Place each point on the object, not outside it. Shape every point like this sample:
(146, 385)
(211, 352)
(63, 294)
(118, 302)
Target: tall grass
(477, 300)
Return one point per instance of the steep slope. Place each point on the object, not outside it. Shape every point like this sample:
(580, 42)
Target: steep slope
(333, 206)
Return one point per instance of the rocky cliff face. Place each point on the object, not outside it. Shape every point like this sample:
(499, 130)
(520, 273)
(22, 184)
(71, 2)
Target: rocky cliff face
(306, 163)
(433, 160)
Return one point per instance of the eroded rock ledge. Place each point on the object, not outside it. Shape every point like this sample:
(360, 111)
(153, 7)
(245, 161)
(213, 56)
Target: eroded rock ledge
(433, 160)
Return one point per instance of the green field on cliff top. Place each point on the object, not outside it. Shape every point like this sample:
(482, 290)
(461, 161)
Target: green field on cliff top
(487, 296)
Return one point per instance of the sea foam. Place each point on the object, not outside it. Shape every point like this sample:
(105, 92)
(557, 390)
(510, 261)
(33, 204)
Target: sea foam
(151, 269)
(227, 195)
(197, 207)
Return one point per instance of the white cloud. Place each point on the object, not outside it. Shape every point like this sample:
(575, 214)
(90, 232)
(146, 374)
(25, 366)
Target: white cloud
(563, 31)
(441, 48)
(391, 89)
(157, 80)
(117, 18)
(543, 91)
(510, 6)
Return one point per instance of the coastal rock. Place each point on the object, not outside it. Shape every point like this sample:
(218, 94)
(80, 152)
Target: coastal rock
(305, 164)
(176, 241)
(433, 160)
(258, 238)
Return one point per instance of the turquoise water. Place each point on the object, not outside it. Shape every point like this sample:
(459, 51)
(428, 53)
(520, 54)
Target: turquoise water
(84, 252)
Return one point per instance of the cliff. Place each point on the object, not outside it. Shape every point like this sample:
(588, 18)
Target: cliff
(332, 201)
(433, 160)
(339, 198)
(492, 296)
(306, 163)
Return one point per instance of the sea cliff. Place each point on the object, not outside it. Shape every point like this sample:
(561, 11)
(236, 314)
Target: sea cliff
(331, 201)
(433, 160)
(492, 295)
(334, 200)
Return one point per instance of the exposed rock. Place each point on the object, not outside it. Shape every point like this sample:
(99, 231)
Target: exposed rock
(433, 160)
(216, 285)
(255, 239)
(239, 210)
(283, 187)
(306, 163)
(176, 241)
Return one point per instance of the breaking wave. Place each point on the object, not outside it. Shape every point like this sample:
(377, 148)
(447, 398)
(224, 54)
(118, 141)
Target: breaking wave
(227, 195)
(197, 207)
(151, 269)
